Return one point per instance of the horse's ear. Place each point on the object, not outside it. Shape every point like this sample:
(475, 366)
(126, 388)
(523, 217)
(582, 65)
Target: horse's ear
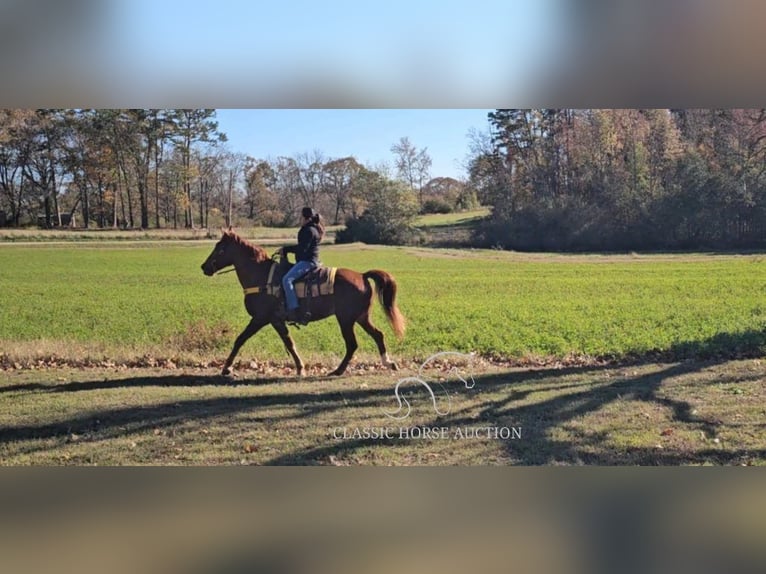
(224, 232)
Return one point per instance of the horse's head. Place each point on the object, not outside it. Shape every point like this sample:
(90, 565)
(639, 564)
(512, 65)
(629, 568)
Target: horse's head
(222, 255)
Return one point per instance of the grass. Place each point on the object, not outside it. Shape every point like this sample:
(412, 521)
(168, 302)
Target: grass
(669, 414)
(33, 235)
(686, 332)
(451, 219)
(450, 229)
(439, 224)
(126, 302)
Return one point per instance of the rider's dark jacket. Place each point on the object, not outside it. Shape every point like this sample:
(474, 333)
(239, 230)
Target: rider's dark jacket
(308, 244)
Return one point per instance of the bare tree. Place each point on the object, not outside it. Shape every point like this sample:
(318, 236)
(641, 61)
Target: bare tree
(413, 166)
(13, 152)
(311, 178)
(191, 126)
(287, 182)
(340, 175)
(227, 182)
(260, 197)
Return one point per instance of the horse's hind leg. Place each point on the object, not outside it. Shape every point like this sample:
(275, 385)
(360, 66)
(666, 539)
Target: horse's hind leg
(347, 329)
(281, 328)
(252, 328)
(379, 339)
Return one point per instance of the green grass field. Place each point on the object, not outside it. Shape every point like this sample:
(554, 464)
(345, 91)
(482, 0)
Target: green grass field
(126, 301)
(451, 219)
(153, 331)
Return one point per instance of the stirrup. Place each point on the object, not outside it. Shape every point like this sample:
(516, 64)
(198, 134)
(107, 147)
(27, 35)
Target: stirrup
(297, 318)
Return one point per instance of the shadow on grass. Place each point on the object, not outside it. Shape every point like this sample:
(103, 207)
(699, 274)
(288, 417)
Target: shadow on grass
(750, 344)
(539, 419)
(514, 407)
(135, 419)
(131, 420)
(148, 381)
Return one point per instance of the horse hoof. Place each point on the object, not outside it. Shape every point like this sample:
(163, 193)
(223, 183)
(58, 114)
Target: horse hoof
(226, 372)
(394, 367)
(335, 373)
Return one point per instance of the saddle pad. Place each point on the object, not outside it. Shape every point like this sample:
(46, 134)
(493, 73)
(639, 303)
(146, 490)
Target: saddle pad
(322, 285)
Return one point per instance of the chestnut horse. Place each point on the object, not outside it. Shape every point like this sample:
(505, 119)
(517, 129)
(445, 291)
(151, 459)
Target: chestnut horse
(351, 301)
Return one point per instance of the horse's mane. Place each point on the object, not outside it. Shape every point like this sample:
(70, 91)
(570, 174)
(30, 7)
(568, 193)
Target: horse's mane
(258, 254)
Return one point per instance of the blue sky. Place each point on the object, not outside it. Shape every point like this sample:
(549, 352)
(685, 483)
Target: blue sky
(365, 134)
(393, 54)
(299, 53)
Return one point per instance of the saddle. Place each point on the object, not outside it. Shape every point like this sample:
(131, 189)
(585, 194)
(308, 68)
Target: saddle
(318, 281)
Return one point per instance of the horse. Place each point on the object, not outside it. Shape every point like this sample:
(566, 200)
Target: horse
(351, 300)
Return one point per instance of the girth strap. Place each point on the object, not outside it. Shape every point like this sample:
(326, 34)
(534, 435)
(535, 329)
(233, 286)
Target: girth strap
(268, 289)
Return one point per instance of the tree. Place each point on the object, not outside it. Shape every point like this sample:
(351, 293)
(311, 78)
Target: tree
(82, 161)
(161, 131)
(13, 153)
(485, 168)
(192, 126)
(413, 166)
(723, 163)
(172, 178)
(287, 182)
(445, 191)
(340, 178)
(138, 131)
(232, 171)
(310, 178)
(388, 218)
(260, 200)
(43, 135)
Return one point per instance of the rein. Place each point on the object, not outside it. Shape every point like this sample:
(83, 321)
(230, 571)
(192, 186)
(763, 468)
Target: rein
(272, 268)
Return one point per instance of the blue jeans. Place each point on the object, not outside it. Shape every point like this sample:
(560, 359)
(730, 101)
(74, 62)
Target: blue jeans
(298, 270)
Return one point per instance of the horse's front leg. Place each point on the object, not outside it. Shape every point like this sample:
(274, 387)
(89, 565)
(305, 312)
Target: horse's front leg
(281, 328)
(252, 328)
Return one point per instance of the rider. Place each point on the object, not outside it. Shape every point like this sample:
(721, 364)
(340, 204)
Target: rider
(306, 257)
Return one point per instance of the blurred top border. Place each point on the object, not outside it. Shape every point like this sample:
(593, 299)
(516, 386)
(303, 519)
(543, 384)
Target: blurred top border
(489, 54)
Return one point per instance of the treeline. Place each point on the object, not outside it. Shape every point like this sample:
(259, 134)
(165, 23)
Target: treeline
(143, 168)
(343, 191)
(564, 179)
(127, 168)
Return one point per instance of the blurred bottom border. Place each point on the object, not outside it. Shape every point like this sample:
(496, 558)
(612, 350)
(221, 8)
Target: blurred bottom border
(338, 520)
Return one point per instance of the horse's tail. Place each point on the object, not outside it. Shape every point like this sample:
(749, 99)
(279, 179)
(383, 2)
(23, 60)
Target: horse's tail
(386, 286)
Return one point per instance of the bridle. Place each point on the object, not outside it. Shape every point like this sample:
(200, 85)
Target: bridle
(213, 261)
(275, 257)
